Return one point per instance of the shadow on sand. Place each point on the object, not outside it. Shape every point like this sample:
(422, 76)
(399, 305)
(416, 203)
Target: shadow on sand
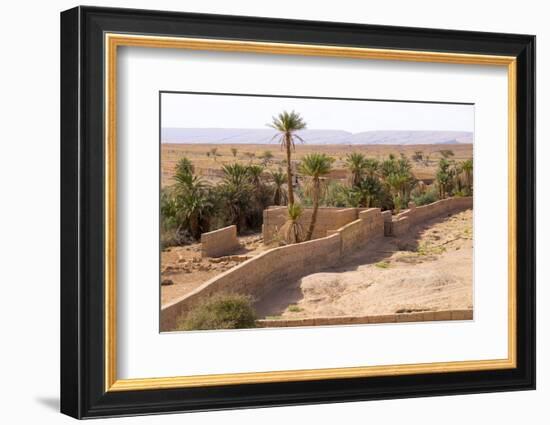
(278, 300)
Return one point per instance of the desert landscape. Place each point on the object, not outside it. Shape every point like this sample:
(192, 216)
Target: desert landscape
(293, 226)
(208, 159)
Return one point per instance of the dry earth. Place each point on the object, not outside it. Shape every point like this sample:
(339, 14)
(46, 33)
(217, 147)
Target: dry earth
(186, 270)
(429, 270)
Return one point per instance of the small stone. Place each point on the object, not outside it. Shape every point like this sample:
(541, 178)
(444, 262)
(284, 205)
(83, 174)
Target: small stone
(166, 282)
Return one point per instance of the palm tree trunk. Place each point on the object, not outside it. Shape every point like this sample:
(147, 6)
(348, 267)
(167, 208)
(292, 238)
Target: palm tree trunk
(277, 197)
(289, 171)
(316, 190)
(194, 226)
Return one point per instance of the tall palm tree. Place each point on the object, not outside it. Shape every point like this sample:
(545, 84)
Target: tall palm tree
(279, 193)
(356, 163)
(315, 166)
(287, 124)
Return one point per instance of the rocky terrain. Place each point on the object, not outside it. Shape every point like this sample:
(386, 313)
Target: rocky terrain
(183, 269)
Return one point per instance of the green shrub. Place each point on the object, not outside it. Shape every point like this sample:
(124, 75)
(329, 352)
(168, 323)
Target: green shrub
(428, 197)
(223, 311)
(170, 234)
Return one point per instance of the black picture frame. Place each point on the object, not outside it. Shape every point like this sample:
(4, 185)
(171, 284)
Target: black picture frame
(83, 392)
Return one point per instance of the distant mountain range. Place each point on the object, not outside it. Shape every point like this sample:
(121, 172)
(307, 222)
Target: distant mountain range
(314, 137)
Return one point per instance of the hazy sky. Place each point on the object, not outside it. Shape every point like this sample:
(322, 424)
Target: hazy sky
(215, 111)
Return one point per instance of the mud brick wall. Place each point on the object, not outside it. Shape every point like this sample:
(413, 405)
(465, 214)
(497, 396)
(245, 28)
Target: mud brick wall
(327, 219)
(368, 227)
(259, 275)
(415, 215)
(276, 267)
(438, 208)
(219, 242)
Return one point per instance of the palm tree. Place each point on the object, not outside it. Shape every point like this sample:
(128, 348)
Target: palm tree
(193, 202)
(184, 166)
(255, 174)
(315, 166)
(356, 163)
(236, 174)
(287, 124)
(397, 183)
(279, 193)
(371, 167)
(236, 192)
(292, 231)
(457, 172)
(444, 177)
(368, 190)
(468, 168)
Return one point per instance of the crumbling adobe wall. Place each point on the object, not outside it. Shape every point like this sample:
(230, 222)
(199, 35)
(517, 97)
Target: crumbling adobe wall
(260, 275)
(219, 242)
(276, 267)
(368, 227)
(327, 219)
(415, 215)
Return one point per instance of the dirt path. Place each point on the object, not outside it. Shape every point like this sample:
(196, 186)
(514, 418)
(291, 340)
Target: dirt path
(430, 269)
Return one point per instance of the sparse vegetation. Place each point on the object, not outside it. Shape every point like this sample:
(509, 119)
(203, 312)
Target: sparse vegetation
(221, 311)
(424, 198)
(266, 157)
(293, 308)
(237, 192)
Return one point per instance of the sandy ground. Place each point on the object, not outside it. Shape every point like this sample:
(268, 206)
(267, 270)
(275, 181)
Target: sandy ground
(247, 154)
(429, 270)
(184, 267)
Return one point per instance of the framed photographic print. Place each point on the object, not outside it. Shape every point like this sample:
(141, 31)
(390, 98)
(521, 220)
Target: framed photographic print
(261, 212)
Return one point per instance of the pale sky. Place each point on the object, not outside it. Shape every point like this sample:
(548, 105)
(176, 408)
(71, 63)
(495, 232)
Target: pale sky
(216, 111)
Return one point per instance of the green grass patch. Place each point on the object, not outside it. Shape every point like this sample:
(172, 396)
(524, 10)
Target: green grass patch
(294, 308)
